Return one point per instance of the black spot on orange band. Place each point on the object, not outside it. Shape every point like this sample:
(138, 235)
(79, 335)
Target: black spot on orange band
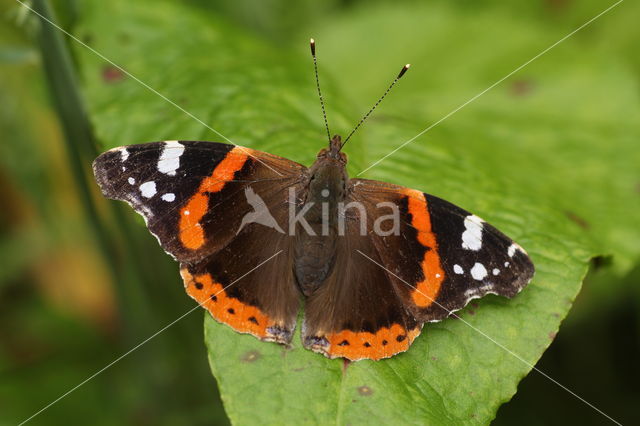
(354, 345)
(229, 310)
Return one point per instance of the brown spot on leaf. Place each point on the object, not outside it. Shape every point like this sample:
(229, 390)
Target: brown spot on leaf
(112, 74)
(365, 391)
(521, 87)
(558, 5)
(251, 356)
(552, 335)
(580, 221)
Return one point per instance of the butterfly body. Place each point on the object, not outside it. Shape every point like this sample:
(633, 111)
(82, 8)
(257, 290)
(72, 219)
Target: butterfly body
(258, 235)
(315, 245)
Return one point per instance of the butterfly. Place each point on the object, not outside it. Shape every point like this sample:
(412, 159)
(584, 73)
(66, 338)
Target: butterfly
(258, 235)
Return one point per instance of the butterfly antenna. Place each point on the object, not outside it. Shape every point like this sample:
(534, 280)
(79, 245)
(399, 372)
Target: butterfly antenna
(393, 83)
(312, 43)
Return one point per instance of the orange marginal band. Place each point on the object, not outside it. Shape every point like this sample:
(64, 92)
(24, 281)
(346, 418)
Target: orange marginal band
(426, 290)
(385, 343)
(228, 310)
(191, 232)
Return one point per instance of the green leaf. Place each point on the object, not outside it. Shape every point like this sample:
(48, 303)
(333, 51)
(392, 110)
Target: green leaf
(547, 157)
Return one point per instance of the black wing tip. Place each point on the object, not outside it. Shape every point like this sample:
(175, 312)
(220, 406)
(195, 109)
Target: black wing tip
(103, 167)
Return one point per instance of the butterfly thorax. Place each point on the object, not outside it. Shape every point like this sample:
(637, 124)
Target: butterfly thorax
(315, 244)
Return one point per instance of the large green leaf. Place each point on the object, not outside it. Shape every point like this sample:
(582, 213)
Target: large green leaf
(543, 156)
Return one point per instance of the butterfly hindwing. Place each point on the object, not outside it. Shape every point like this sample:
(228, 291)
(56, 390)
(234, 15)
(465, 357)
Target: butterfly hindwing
(244, 284)
(357, 314)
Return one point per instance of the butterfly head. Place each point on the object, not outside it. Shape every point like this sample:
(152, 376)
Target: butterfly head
(333, 153)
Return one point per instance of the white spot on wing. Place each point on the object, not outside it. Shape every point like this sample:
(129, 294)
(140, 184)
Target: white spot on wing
(131, 181)
(437, 275)
(472, 236)
(169, 197)
(506, 264)
(458, 269)
(478, 272)
(124, 153)
(148, 189)
(496, 271)
(186, 212)
(169, 160)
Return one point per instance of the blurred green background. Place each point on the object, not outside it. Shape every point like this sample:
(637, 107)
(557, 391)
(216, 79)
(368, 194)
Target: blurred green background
(81, 282)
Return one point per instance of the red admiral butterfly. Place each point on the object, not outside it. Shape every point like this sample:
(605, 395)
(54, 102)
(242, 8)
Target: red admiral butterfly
(220, 210)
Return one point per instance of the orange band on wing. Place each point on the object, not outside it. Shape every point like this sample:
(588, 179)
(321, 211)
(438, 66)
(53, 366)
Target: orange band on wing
(426, 290)
(228, 310)
(225, 171)
(385, 343)
(191, 232)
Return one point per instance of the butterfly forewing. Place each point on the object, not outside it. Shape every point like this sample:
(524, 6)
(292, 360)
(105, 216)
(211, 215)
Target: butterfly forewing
(190, 193)
(443, 256)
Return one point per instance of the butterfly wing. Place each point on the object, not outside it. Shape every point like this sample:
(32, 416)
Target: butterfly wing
(387, 282)
(249, 284)
(449, 256)
(194, 196)
(190, 192)
(357, 313)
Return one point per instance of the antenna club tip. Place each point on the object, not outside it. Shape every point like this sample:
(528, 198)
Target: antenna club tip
(312, 43)
(403, 70)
